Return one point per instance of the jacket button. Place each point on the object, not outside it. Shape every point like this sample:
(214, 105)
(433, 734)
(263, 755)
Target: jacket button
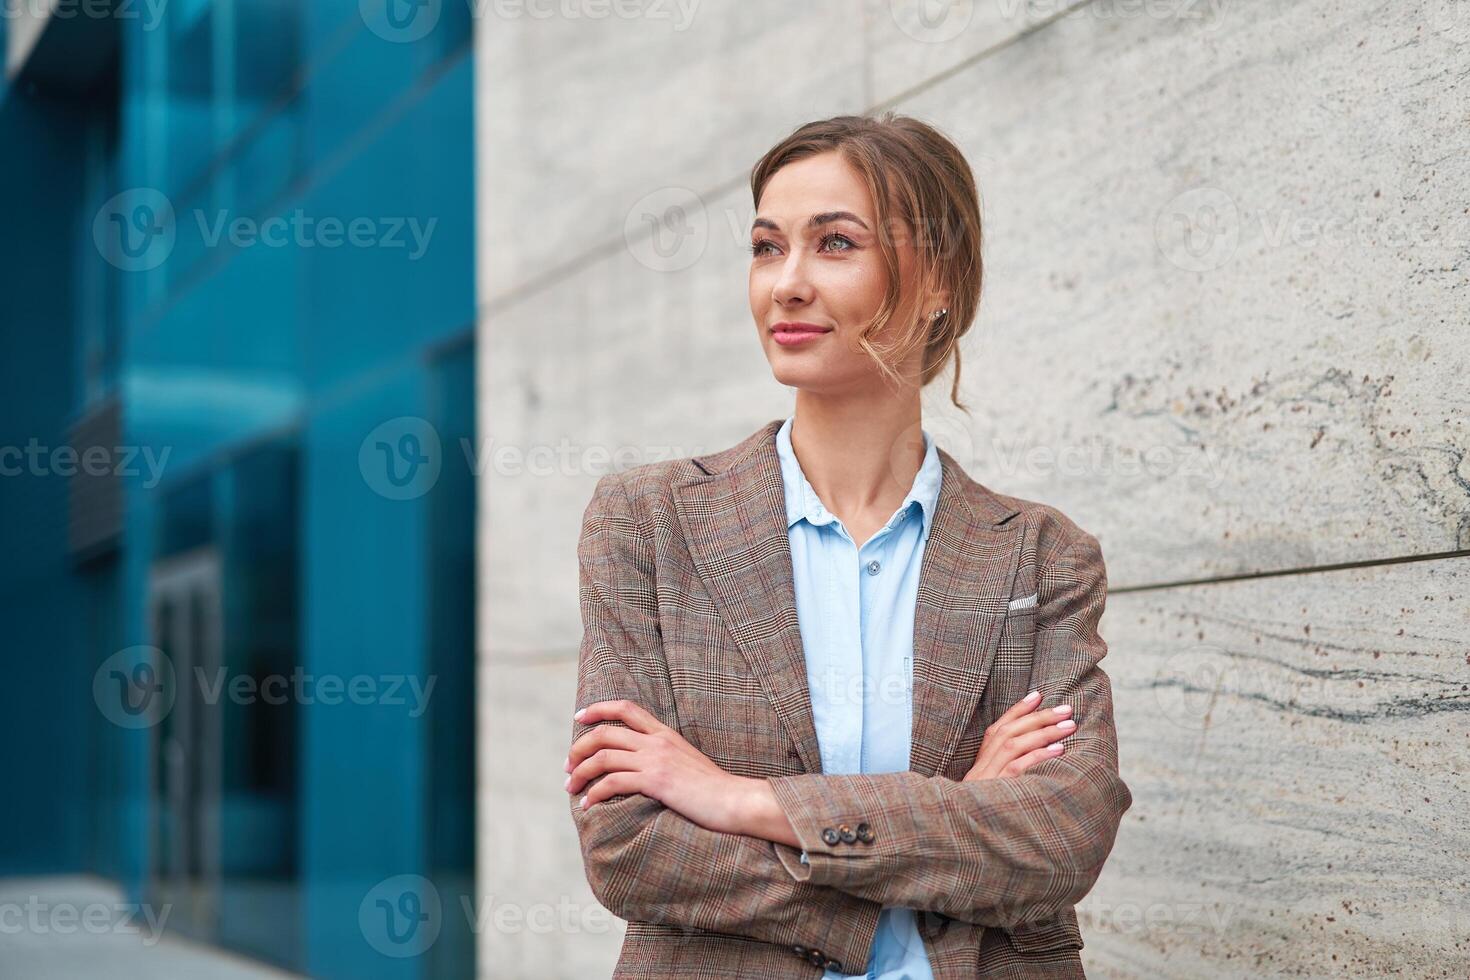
(799, 951)
(815, 957)
(865, 833)
(848, 834)
(830, 835)
(832, 964)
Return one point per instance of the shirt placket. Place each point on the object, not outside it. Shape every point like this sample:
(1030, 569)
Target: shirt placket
(848, 652)
(872, 558)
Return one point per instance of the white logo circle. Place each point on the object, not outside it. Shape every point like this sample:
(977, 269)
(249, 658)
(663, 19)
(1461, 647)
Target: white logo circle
(401, 458)
(1199, 229)
(401, 916)
(667, 230)
(135, 687)
(400, 21)
(1188, 685)
(932, 21)
(135, 230)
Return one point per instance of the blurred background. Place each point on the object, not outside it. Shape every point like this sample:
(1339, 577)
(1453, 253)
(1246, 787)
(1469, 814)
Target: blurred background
(213, 292)
(319, 321)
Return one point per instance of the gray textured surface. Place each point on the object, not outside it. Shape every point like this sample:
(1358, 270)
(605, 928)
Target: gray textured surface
(1289, 395)
(1230, 242)
(1299, 754)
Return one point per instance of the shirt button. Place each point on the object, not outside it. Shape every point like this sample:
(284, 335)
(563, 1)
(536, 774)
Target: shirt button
(874, 566)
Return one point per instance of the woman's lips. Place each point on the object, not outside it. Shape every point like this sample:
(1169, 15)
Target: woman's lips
(791, 337)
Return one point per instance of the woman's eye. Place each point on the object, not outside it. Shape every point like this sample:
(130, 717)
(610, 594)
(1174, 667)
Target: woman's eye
(758, 249)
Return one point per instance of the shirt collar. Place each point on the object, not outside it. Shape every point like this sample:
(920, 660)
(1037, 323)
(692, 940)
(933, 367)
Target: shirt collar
(802, 500)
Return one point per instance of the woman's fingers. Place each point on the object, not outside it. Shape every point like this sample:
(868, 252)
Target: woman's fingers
(1005, 743)
(1023, 717)
(1028, 723)
(1020, 708)
(614, 784)
(998, 729)
(1021, 744)
(630, 713)
(601, 737)
(1017, 766)
(1036, 719)
(599, 762)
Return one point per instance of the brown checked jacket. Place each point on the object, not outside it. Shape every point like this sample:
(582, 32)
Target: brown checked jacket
(689, 609)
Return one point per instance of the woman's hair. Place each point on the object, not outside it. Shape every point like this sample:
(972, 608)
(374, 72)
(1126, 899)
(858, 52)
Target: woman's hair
(922, 187)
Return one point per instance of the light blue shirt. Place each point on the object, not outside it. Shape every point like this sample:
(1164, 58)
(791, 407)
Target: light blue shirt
(856, 612)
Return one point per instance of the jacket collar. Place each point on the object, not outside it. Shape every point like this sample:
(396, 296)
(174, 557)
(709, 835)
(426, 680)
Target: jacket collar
(733, 517)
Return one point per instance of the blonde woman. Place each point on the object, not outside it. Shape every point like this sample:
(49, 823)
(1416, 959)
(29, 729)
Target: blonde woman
(839, 708)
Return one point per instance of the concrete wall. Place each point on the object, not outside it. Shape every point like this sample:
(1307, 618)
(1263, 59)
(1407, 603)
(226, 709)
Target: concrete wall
(1225, 329)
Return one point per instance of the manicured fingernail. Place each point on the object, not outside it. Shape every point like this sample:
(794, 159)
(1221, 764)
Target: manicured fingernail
(1054, 747)
(1062, 709)
(566, 782)
(1031, 696)
(1069, 724)
(582, 803)
(566, 765)
(579, 713)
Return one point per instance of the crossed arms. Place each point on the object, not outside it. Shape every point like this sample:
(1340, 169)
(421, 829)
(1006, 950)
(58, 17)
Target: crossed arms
(990, 852)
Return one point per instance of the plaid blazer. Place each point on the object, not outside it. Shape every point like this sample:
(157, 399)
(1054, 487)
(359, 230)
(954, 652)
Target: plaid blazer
(688, 608)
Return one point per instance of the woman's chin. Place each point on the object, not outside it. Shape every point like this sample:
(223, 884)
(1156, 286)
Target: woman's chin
(788, 372)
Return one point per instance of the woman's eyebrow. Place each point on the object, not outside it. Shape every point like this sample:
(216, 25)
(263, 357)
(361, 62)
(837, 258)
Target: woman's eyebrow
(815, 221)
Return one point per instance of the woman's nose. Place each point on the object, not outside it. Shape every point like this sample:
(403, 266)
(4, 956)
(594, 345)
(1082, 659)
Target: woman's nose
(793, 285)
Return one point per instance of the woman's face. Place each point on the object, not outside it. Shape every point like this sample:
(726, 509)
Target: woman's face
(816, 264)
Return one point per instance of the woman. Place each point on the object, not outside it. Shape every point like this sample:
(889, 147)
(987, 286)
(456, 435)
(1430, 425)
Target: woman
(805, 744)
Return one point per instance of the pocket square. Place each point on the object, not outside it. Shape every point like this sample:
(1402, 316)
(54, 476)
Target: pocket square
(1023, 602)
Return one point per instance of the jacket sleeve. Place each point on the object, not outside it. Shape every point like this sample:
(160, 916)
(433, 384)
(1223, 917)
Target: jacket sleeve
(642, 860)
(995, 852)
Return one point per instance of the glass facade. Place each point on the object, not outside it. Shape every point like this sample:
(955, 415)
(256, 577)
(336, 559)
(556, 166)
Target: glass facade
(244, 234)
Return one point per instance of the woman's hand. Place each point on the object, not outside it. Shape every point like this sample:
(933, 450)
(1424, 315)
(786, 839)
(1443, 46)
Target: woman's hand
(1020, 738)
(651, 758)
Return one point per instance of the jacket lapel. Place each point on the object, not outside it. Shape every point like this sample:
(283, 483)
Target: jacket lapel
(733, 519)
(965, 580)
(735, 528)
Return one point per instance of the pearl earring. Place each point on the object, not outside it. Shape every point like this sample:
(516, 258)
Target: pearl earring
(938, 313)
